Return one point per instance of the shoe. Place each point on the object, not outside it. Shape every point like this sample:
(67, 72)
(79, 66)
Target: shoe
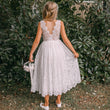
(44, 107)
(58, 105)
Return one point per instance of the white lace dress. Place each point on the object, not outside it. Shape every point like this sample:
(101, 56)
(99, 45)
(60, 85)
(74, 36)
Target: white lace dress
(56, 68)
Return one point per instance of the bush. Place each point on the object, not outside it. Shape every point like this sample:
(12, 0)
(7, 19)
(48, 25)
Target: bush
(89, 37)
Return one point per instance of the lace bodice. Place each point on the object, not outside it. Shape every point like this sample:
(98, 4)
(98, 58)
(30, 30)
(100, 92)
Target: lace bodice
(55, 33)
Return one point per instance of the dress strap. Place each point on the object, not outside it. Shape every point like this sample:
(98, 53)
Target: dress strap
(42, 24)
(60, 23)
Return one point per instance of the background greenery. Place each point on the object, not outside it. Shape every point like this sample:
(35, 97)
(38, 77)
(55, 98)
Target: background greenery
(89, 36)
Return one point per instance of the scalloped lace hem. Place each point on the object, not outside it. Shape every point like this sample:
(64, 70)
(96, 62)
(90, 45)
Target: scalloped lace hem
(56, 93)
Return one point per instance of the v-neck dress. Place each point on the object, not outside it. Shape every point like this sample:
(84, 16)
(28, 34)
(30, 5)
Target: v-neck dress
(56, 69)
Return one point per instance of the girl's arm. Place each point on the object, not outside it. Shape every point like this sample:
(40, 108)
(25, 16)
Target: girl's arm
(66, 40)
(36, 41)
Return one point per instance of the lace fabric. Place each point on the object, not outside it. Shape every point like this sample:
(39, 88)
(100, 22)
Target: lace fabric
(55, 33)
(56, 69)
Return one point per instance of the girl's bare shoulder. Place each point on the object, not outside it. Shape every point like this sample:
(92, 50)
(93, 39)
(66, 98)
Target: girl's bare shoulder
(62, 23)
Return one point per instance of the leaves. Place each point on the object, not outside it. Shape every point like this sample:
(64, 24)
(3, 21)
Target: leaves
(89, 37)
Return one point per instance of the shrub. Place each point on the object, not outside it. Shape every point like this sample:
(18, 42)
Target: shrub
(88, 36)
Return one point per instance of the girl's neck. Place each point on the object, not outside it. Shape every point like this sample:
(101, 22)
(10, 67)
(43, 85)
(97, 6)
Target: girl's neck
(50, 20)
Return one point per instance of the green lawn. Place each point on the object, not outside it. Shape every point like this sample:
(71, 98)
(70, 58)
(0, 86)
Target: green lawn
(93, 96)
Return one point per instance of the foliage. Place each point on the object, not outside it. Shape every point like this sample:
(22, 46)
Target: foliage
(16, 41)
(89, 37)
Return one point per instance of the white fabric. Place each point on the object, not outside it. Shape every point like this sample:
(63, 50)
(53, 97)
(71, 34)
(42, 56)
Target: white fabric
(56, 69)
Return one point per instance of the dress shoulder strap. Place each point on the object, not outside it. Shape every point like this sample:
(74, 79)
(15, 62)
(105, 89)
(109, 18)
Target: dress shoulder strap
(59, 23)
(41, 22)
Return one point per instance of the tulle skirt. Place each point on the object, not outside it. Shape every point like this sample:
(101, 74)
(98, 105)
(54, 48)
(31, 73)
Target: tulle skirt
(56, 69)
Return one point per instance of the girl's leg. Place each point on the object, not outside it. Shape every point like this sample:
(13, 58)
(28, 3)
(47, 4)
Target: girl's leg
(46, 100)
(58, 100)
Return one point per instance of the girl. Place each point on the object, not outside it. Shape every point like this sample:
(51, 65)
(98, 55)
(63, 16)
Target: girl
(56, 65)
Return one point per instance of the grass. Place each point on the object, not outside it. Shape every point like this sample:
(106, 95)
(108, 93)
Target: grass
(92, 96)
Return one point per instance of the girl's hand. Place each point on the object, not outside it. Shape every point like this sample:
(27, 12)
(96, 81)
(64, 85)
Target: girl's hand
(31, 58)
(76, 55)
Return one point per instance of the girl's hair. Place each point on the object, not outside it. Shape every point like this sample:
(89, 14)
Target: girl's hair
(50, 10)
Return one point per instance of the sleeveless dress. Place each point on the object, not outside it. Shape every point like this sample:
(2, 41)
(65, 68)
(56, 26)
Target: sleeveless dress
(56, 69)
